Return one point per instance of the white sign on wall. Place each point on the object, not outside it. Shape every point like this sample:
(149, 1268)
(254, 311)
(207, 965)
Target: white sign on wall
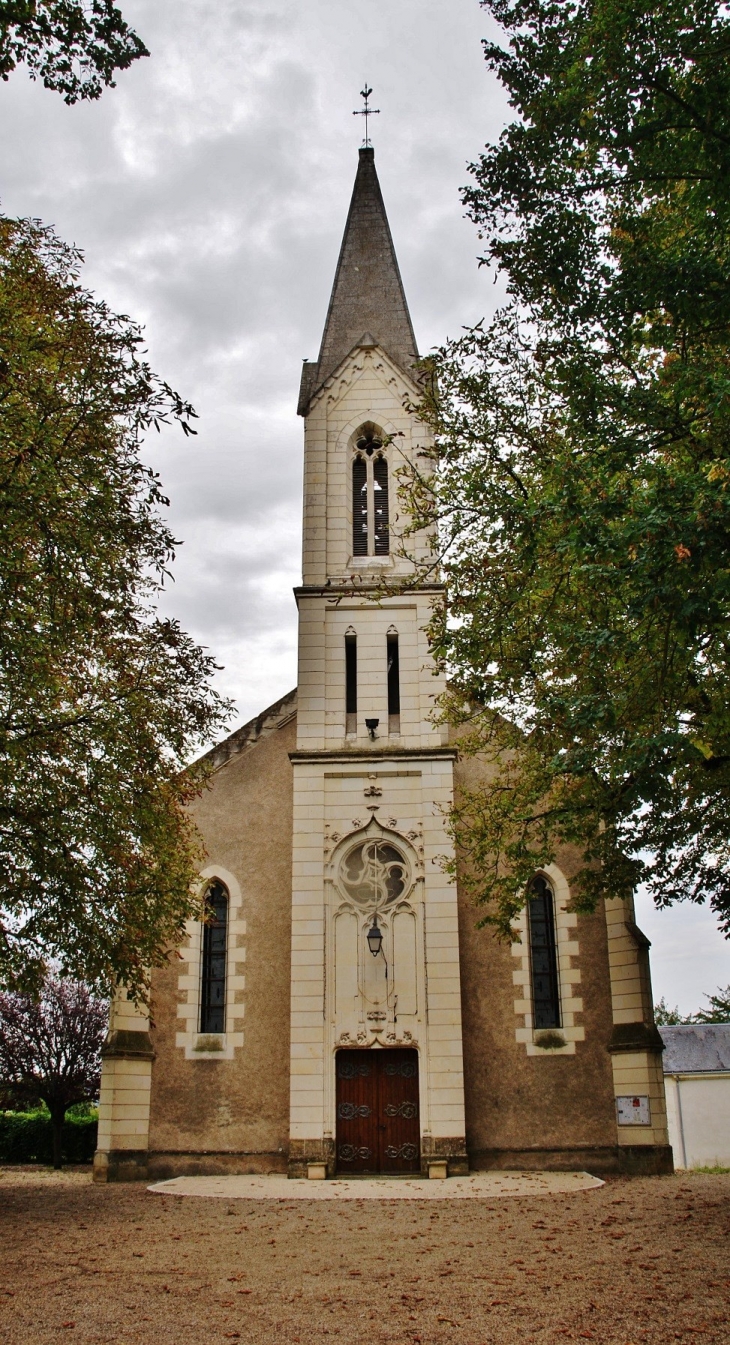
(633, 1111)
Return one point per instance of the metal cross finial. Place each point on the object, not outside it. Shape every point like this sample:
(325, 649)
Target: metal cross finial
(366, 112)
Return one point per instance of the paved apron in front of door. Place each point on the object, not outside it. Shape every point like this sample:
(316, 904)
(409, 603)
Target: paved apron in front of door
(377, 1111)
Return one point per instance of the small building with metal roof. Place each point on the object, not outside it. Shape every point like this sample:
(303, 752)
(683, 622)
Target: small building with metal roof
(697, 1084)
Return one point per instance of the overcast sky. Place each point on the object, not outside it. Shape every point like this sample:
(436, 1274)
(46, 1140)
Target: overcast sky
(208, 192)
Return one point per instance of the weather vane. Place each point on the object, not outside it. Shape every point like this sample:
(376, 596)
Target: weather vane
(366, 112)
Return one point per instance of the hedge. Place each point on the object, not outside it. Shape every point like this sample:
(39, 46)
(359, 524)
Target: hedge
(27, 1137)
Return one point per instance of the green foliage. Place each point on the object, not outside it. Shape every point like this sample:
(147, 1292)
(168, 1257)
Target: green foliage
(101, 702)
(583, 461)
(81, 1111)
(606, 201)
(73, 46)
(27, 1137)
(664, 1016)
(719, 1010)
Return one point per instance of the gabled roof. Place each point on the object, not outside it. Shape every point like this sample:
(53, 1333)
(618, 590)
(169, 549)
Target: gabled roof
(274, 717)
(368, 301)
(696, 1048)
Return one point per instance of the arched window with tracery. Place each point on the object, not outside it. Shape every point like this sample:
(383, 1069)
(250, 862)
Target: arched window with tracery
(213, 968)
(370, 495)
(543, 954)
(374, 874)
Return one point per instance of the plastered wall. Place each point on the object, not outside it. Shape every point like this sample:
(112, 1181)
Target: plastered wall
(698, 1108)
(520, 1101)
(235, 1112)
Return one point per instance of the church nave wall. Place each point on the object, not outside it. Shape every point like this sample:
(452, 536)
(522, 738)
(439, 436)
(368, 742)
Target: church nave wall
(553, 1105)
(228, 1109)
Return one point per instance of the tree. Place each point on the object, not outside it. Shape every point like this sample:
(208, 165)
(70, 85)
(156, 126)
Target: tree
(72, 45)
(102, 702)
(719, 1010)
(583, 460)
(50, 1048)
(664, 1016)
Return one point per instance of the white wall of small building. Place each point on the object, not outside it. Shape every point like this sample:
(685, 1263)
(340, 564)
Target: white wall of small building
(698, 1107)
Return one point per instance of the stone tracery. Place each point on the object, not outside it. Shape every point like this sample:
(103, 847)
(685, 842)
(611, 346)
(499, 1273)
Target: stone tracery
(373, 874)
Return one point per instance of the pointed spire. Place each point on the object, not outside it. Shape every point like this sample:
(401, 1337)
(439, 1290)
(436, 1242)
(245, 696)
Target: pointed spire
(367, 295)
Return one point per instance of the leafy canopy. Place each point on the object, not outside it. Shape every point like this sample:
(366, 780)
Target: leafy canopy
(74, 47)
(101, 701)
(718, 1011)
(583, 456)
(666, 1016)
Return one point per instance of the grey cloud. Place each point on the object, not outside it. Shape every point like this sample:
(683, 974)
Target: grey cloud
(209, 192)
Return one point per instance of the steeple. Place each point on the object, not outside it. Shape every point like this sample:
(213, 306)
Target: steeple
(367, 297)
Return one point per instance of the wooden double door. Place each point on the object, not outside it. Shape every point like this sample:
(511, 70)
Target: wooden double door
(378, 1127)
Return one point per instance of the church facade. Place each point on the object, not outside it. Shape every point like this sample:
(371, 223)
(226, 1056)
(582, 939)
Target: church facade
(340, 1013)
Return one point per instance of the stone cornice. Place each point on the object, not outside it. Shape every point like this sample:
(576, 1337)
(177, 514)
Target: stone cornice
(383, 754)
(346, 589)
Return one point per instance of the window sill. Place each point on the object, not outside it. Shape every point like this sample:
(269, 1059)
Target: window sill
(533, 1039)
(209, 1045)
(370, 563)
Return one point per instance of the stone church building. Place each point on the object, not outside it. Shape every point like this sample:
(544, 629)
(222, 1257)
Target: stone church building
(341, 1013)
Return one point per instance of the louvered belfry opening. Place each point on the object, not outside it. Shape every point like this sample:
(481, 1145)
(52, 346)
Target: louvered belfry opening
(380, 502)
(213, 970)
(359, 507)
(370, 505)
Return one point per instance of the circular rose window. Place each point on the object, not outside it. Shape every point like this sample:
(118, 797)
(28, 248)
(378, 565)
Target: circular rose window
(374, 874)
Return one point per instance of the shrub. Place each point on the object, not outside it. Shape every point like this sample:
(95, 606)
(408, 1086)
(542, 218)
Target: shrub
(27, 1137)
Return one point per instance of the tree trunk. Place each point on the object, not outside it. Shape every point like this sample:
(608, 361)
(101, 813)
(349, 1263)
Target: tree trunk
(58, 1116)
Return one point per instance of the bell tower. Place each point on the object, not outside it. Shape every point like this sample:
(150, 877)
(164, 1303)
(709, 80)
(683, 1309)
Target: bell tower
(375, 957)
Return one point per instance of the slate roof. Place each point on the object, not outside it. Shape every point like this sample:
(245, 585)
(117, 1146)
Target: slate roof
(696, 1048)
(368, 298)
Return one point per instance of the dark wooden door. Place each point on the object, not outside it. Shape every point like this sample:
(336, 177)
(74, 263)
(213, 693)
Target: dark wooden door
(357, 1141)
(398, 1106)
(378, 1126)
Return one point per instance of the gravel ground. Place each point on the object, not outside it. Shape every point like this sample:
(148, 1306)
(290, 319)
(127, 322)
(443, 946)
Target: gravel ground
(633, 1262)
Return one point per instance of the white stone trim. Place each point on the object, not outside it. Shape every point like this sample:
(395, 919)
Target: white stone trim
(213, 1046)
(373, 829)
(336, 385)
(354, 454)
(569, 976)
(329, 794)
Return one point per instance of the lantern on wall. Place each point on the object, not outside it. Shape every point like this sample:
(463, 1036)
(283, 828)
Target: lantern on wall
(374, 937)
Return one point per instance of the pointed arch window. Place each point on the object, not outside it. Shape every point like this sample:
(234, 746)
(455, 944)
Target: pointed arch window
(370, 495)
(213, 969)
(543, 954)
